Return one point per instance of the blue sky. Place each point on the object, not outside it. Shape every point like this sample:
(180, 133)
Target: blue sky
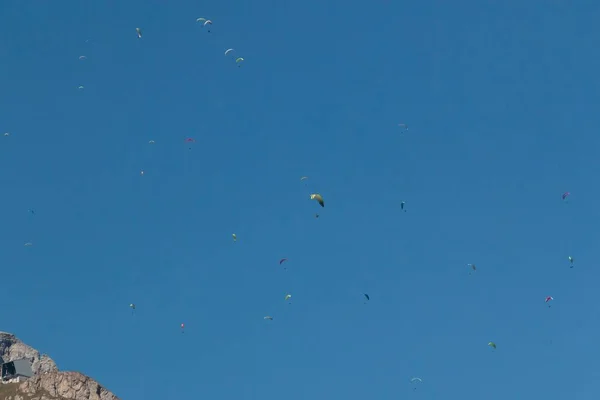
(501, 103)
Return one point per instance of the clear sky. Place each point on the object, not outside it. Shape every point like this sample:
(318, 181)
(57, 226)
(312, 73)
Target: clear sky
(501, 100)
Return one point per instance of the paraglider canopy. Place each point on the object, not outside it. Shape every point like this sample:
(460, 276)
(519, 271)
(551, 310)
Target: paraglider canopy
(318, 198)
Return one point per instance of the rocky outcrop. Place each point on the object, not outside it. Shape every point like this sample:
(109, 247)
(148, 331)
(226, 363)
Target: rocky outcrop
(12, 349)
(65, 385)
(48, 383)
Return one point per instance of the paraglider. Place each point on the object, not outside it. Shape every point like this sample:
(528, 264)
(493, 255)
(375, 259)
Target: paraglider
(319, 198)
(31, 211)
(139, 32)
(190, 141)
(366, 297)
(6, 134)
(151, 142)
(28, 244)
(287, 297)
(205, 22)
(228, 51)
(142, 172)
(473, 267)
(304, 178)
(80, 87)
(238, 61)
(82, 57)
(234, 236)
(268, 317)
(132, 306)
(182, 328)
(492, 345)
(571, 261)
(548, 299)
(403, 126)
(282, 261)
(416, 381)
(402, 206)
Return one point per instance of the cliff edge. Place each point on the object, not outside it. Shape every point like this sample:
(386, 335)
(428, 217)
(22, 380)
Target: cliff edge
(47, 382)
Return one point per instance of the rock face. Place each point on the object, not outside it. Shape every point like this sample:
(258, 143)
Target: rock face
(12, 349)
(48, 383)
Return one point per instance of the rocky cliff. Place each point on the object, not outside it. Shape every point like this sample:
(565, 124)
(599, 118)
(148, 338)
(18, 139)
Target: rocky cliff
(48, 383)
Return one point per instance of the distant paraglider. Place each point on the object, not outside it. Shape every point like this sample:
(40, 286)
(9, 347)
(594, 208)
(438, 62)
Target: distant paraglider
(472, 267)
(415, 381)
(318, 198)
(138, 31)
(205, 23)
(189, 141)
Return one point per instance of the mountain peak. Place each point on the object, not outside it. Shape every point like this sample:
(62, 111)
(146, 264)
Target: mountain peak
(27, 374)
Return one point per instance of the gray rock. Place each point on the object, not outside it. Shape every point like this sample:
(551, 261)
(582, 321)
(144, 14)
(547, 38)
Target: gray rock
(48, 383)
